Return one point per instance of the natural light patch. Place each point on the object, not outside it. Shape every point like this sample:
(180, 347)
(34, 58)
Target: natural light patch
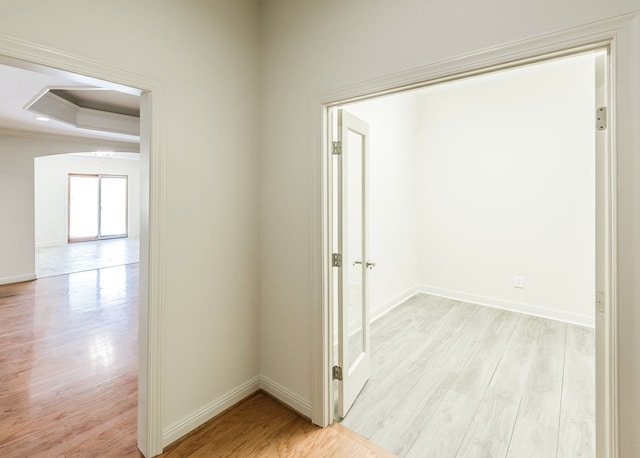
(101, 351)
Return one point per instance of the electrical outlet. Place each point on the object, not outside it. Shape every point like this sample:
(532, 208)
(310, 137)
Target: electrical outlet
(518, 281)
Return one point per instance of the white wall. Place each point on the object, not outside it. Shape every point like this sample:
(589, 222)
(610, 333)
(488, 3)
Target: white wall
(17, 232)
(310, 47)
(507, 184)
(476, 181)
(51, 192)
(204, 53)
(17, 251)
(393, 197)
(481, 177)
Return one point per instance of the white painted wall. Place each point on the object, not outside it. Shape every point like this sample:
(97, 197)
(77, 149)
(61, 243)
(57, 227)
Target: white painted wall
(17, 251)
(393, 197)
(52, 187)
(204, 52)
(476, 181)
(507, 186)
(311, 47)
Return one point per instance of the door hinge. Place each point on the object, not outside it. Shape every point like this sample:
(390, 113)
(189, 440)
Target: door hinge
(336, 148)
(336, 260)
(337, 373)
(600, 301)
(601, 118)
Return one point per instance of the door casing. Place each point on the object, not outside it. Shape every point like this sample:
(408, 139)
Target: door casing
(22, 54)
(615, 35)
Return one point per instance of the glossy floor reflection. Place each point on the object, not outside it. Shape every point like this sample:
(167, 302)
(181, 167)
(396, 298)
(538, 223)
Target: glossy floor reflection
(68, 364)
(82, 256)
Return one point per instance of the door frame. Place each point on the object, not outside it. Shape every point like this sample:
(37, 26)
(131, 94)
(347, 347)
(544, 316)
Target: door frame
(30, 56)
(619, 37)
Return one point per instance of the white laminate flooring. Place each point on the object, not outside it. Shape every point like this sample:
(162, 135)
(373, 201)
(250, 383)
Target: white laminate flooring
(81, 256)
(452, 379)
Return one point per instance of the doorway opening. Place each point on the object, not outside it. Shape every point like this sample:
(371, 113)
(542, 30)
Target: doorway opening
(19, 55)
(485, 208)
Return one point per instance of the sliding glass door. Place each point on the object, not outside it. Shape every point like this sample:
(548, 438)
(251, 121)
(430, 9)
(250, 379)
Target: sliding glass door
(97, 207)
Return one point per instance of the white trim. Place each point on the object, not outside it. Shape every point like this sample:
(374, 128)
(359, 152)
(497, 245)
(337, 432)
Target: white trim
(31, 56)
(50, 244)
(231, 398)
(285, 396)
(392, 303)
(512, 306)
(206, 413)
(381, 310)
(619, 33)
(17, 279)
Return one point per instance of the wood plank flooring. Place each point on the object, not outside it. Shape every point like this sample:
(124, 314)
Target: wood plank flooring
(68, 379)
(451, 379)
(262, 427)
(68, 365)
(81, 256)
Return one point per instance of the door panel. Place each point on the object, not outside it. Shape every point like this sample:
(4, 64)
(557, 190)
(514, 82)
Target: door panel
(83, 207)
(603, 281)
(113, 206)
(353, 319)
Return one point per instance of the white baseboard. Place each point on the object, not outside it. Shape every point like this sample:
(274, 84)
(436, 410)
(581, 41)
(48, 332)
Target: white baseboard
(381, 310)
(201, 416)
(188, 424)
(519, 307)
(17, 279)
(50, 244)
(392, 303)
(285, 396)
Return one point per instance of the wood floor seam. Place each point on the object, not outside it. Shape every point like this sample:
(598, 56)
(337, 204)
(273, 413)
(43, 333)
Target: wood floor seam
(508, 362)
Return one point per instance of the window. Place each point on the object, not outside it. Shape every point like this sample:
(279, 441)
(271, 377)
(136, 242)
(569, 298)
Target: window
(97, 207)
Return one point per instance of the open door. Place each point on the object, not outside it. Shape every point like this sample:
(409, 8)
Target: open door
(354, 360)
(603, 253)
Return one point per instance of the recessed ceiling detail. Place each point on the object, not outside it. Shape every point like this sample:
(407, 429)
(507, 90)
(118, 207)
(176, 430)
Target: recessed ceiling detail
(93, 109)
(102, 100)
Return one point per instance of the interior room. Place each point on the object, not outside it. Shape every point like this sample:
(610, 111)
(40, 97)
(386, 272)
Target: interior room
(57, 252)
(70, 337)
(480, 240)
(233, 293)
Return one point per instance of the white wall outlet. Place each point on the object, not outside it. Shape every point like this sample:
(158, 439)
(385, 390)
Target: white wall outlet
(518, 281)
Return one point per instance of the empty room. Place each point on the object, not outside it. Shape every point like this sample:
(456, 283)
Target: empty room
(71, 188)
(465, 214)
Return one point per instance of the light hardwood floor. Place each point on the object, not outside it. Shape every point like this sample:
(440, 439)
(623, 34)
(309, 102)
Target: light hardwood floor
(451, 379)
(262, 427)
(68, 365)
(91, 255)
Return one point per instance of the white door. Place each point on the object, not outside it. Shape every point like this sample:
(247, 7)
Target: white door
(603, 249)
(353, 318)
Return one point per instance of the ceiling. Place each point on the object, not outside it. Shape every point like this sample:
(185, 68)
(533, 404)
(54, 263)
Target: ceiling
(20, 89)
